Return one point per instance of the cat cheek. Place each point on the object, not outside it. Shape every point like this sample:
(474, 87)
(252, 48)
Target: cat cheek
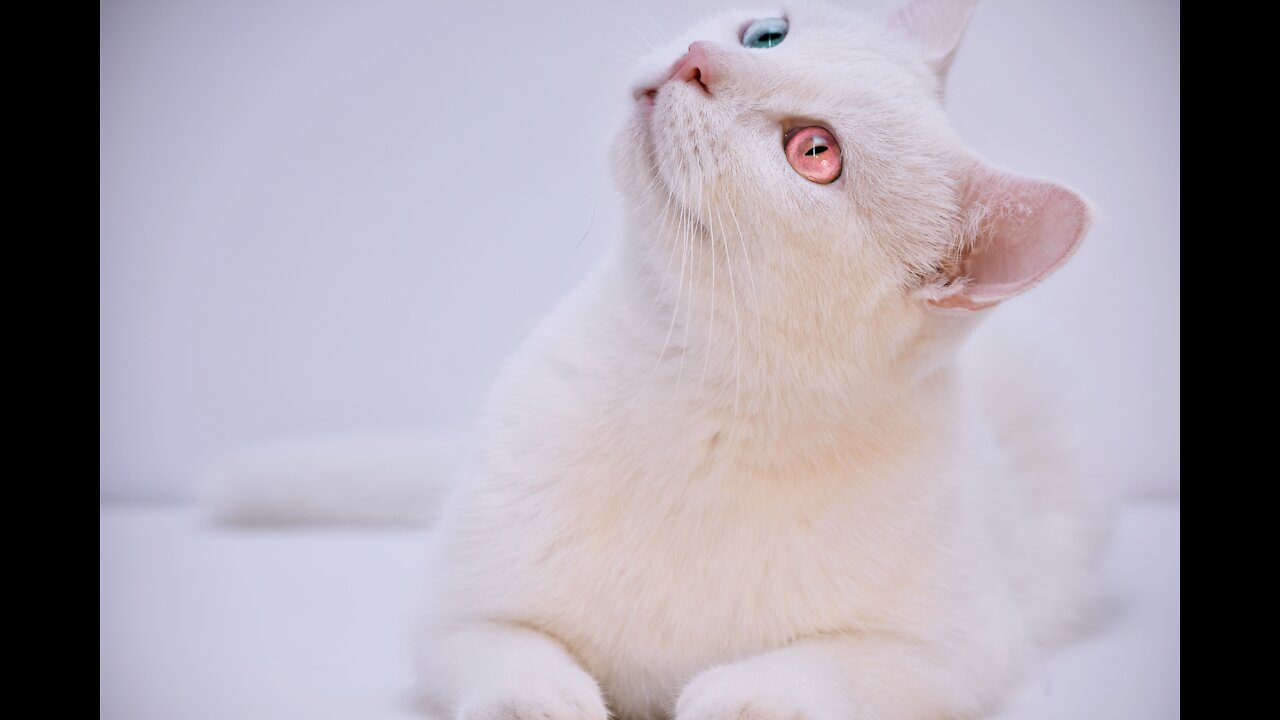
(814, 153)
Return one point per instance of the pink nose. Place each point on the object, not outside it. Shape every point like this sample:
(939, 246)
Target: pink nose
(694, 66)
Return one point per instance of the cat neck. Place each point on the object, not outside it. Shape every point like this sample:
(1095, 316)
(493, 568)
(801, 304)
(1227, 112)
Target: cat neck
(725, 309)
(799, 367)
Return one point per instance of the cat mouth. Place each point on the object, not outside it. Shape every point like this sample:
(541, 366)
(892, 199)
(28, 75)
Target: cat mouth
(645, 98)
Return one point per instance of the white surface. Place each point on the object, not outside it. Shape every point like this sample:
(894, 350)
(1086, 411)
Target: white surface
(322, 217)
(199, 622)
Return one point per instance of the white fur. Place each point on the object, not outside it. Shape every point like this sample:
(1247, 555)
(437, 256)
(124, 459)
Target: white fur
(738, 474)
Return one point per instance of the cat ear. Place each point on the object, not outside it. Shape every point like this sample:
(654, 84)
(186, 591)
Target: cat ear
(1019, 229)
(936, 26)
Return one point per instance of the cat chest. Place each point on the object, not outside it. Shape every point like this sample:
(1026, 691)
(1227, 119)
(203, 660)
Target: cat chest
(646, 588)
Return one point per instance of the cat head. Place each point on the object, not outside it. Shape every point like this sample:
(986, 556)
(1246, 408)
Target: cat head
(810, 148)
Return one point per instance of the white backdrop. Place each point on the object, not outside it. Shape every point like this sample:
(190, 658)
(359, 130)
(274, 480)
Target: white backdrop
(322, 217)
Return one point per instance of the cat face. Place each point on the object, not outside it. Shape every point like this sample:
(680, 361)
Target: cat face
(816, 141)
(716, 144)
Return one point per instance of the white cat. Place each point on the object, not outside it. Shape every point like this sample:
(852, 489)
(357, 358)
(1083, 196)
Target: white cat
(737, 474)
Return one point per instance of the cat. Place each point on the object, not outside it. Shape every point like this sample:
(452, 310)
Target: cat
(738, 473)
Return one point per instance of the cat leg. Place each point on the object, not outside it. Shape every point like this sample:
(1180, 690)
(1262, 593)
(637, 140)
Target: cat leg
(504, 671)
(847, 678)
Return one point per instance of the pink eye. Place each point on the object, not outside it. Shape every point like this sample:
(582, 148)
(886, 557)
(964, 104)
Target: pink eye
(814, 153)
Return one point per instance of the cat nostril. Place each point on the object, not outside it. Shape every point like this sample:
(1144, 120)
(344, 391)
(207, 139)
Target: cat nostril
(694, 66)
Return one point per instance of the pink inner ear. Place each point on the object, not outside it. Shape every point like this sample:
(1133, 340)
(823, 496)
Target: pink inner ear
(1026, 229)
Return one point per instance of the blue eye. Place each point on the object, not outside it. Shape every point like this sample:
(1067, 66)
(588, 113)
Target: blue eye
(765, 33)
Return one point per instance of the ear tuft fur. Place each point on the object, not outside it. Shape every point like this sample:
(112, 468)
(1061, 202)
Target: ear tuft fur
(936, 26)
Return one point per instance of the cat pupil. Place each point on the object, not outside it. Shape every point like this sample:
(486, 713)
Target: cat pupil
(816, 150)
(770, 39)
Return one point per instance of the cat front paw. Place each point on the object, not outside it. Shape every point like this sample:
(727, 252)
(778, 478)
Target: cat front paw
(576, 701)
(736, 693)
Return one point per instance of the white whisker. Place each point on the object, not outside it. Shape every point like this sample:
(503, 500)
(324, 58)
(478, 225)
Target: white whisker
(737, 332)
